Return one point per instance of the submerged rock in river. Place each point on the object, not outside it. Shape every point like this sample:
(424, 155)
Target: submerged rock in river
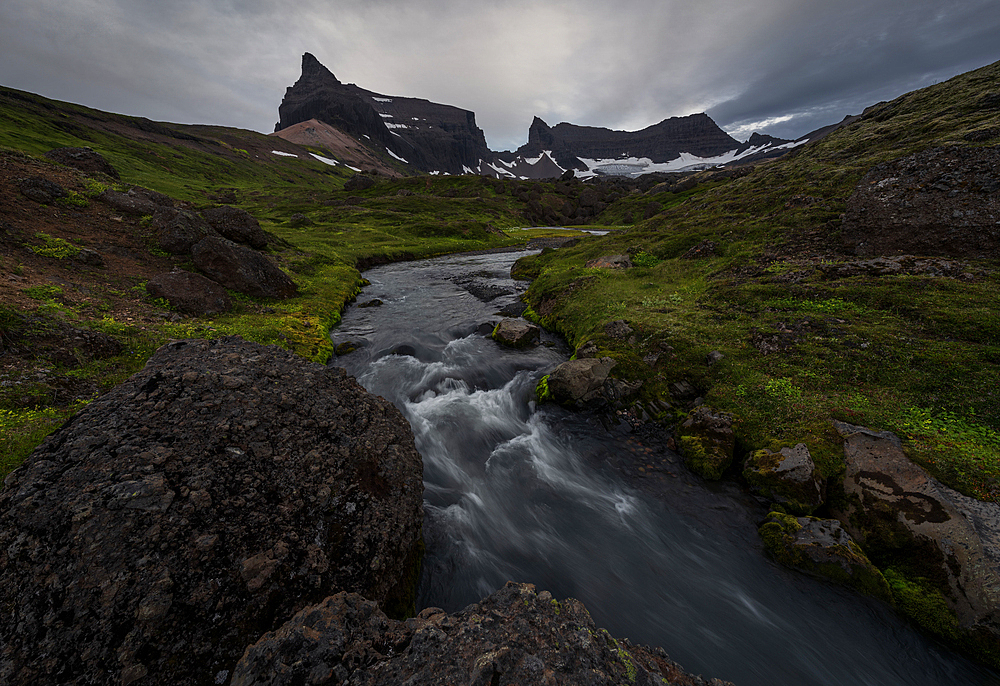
(201, 503)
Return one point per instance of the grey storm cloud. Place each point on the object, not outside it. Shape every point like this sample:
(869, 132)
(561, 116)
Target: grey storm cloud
(778, 66)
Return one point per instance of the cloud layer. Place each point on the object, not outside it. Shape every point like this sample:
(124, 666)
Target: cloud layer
(779, 66)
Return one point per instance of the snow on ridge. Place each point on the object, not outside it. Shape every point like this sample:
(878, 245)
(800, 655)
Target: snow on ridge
(325, 160)
(396, 156)
(283, 154)
(535, 160)
(355, 169)
(384, 115)
(382, 99)
(390, 125)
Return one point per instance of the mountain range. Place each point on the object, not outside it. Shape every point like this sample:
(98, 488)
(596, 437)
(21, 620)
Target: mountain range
(434, 138)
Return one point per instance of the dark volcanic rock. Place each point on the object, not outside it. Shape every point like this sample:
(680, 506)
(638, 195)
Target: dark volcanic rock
(513, 637)
(943, 201)
(707, 441)
(177, 231)
(236, 225)
(129, 203)
(359, 182)
(788, 477)
(84, 159)
(430, 136)
(242, 269)
(40, 190)
(39, 336)
(190, 293)
(201, 503)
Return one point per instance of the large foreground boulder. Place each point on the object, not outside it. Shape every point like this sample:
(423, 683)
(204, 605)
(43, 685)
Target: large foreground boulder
(926, 532)
(516, 333)
(178, 231)
(242, 269)
(198, 505)
(512, 637)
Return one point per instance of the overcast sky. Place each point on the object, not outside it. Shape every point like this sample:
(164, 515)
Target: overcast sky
(782, 67)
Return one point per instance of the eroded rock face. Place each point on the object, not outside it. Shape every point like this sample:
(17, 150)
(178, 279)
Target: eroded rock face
(516, 333)
(514, 636)
(821, 547)
(610, 262)
(190, 293)
(707, 441)
(787, 477)
(203, 502)
(577, 382)
(898, 512)
(943, 201)
(242, 269)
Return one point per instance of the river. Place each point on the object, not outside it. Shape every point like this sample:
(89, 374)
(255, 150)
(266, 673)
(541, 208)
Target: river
(514, 491)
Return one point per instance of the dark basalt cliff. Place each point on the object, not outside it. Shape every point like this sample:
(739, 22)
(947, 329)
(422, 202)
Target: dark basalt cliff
(428, 135)
(696, 134)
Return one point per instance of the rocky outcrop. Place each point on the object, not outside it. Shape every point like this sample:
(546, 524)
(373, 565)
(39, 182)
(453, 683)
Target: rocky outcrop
(787, 477)
(943, 201)
(201, 503)
(40, 190)
(707, 441)
(514, 636)
(821, 548)
(580, 381)
(190, 293)
(237, 225)
(924, 530)
(516, 333)
(429, 136)
(242, 269)
(84, 159)
(178, 231)
(610, 262)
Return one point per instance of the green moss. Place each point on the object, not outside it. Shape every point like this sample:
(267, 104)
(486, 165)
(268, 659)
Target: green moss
(542, 392)
(921, 602)
(55, 247)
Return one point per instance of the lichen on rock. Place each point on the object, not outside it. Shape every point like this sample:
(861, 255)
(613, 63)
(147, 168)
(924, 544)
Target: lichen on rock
(787, 477)
(707, 441)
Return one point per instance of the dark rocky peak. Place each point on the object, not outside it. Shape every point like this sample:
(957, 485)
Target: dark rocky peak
(312, 69)
(540, 134)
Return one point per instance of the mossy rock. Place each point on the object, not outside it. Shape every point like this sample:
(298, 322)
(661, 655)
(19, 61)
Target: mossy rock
(821, 548)
(787, 477)
(707, 442)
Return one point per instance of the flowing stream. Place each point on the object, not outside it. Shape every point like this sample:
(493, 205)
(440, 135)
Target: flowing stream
(525, 493)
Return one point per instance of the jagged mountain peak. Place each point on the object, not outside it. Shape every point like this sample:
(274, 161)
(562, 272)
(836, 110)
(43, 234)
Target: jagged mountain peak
(312, 68)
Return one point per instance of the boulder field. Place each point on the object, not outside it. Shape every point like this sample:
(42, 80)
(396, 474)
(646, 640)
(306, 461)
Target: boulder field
(234, 514)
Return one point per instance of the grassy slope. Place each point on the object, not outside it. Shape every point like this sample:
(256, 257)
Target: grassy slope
(435, 215)
(914, 354)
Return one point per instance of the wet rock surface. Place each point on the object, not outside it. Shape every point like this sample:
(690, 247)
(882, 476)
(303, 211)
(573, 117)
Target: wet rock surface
(203, 502)
(242, 269)
(787, 477)
(942, 201)
(822, 548)
(898, 511)
(516, 333)
(514, 636)
(580, 381)
(190, 293)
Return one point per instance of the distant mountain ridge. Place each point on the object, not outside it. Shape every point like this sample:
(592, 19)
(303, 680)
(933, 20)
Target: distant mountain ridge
(435, 138)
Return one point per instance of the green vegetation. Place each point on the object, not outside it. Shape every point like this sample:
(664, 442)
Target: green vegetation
(55, 247)
(913, 353)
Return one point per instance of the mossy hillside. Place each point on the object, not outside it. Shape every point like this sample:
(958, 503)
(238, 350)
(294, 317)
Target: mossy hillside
(913, 353)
